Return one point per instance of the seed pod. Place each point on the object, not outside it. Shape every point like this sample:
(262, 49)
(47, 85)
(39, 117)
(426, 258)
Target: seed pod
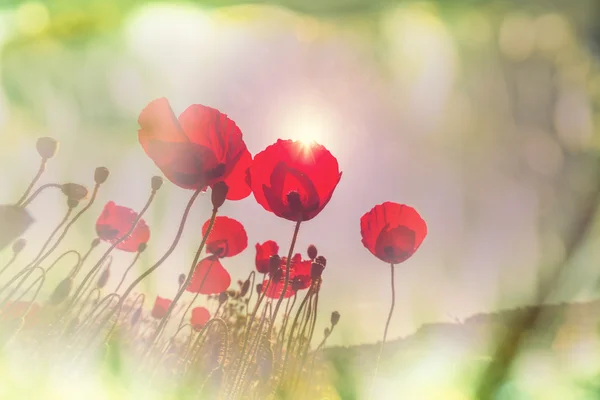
(142, 247)
(72, 203)
(223, 297)
(259, 288)
(95, 242)
(157, 182)
(316, 270)
(74, 191)
(101, 175)
(181, 279)
(312, 252)
(327, 332)
(219, 194)
(245, 288)
(19, 245)
(335, 318)
(46, 147)
(103, 278)
(321, 260)
(62, 291)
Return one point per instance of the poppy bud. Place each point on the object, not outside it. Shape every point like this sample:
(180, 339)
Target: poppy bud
(312, 252)
(335, 318)
(157, 182)
(274, 264)
(72, 203)
(222, 297)
(142, 247)
(136, 316)
(259, 288)
(316, 270)
(95, 242)
(61, 292)
(321, 260)
(74, 191)
(219, 194)
(103, 278)
(245, 288)
(181, 279)
(326, 332)
(46, 147)
(19, 245)
(101, 175)
(14, 221)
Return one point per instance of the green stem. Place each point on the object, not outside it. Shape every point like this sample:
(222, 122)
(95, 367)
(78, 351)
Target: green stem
(37, 176)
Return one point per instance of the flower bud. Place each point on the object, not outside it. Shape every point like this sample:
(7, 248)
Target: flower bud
(316, 270)
(335, 318)
(259, 288)
(157, 182)
(223, 297)
(274, 264)
(219, 194)
(296, 285)
(245, 288)
(101, 175)
(46, 147)
(14, 221)
(327, 332)
(142, 247)
(19, 245)
(321, 260)
(74, 191)
(312, 252)
(103, 278)
(278, 275)
(72, 203)
(181, 279)
(95, 242)
(61, 292)
(136, 316)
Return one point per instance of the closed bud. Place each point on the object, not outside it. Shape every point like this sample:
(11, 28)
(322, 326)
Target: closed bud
(142, 247)
(335, 318)
(157, 182)
(103, 278)
(95, 242)
(245, 288)
(274, 264)
(74, 191)
(296, 285)
(181, 279)
(101, 175)
(136, 316)
(219, 194)
(259, 288)
(321, 260)
(223, 297)
(326, 332)
(19, 245)
(72, 203)
(62, 291)
(316, 270)
(46, 147)
(312, 252)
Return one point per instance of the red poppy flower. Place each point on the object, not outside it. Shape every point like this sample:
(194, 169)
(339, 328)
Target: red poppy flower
(227, 237)
(161, 306)
(299, 272)
(392, 231)
(19, 309)
(264, 252)
(293, 180)
(209, 277)
(198, 149)
(200, 316)
(115, 221)
(275, 289)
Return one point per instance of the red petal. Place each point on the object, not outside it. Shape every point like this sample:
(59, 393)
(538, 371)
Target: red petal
(209, 277)
(263, 255)
(227, 237)
(200, 316)
(115, 221)
(275, 289)
(161, 306)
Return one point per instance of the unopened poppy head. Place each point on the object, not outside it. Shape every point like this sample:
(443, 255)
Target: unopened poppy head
(264, 252)
(209, 277)
(115, 221)
(294, 180)
(161, 306)
(200, 148)
(392, 231)
(275, 289)
(200, 316)
(227, 237)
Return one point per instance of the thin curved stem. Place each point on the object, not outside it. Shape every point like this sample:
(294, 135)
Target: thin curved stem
(385, 332)
(190, 306)
(287, 277)
(54, 232)
(37, 193)
(187, 279)
(37, 176)
(127, 271)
